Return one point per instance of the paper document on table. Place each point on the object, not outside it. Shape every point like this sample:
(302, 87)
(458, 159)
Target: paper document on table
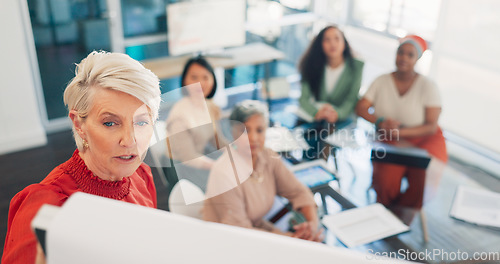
(281, 139)
(302, 114)
(348, 138)
(476, 206)
(359, 226)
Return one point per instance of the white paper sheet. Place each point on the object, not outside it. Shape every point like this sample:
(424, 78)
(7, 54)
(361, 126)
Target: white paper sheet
(358, 226)
(348, 138)
(281, 139)
(302, 114)
(477, 206)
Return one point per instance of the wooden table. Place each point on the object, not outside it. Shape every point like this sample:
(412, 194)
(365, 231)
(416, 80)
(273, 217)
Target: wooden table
(250, 54)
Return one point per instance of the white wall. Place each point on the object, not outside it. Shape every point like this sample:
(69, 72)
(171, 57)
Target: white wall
(466, 67)
(20, 123)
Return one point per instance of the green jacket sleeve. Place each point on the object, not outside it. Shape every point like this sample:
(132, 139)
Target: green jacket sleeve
(305, 102)
(350, 101)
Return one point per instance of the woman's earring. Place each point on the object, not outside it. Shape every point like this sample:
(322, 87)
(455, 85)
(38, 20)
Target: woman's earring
(85, 144)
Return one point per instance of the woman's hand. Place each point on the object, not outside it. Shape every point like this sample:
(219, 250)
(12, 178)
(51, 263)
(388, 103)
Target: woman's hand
(389, 124)
(327, 113)
(390, 129)
(308, 231)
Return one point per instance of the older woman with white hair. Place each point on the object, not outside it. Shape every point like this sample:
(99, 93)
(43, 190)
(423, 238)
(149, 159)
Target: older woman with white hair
(113, 102)
(247, 203)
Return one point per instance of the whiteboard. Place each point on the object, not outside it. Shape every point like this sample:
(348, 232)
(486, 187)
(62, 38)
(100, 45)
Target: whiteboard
(197, 26)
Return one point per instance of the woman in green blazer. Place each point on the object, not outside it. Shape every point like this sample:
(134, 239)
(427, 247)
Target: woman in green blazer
(331, 77)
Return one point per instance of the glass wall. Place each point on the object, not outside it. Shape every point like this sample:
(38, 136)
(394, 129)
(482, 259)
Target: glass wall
(371, 14)
(65, 31)
(145, 23)
(286, 25)
(143, 17)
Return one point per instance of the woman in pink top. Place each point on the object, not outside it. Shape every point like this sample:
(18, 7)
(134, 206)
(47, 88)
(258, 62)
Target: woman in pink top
(246, 203)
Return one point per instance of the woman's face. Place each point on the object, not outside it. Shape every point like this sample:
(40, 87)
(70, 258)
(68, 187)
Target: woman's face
(197, 73)
(406, 58)
(118, 130)
(333, 43)
(256, 130)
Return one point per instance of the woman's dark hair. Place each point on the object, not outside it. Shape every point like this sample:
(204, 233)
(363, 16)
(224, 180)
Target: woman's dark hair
(200, 60)
(312, 64)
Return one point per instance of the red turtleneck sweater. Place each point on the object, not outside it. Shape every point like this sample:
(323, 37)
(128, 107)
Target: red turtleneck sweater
(66, 179)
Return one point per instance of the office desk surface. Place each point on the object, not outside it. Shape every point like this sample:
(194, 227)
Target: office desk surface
(254, 53)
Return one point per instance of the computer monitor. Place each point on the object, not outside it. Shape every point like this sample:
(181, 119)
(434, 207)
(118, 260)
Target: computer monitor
(203, 26)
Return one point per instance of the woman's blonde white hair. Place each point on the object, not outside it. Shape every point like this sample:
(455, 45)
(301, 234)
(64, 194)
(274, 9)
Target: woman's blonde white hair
(115, 71)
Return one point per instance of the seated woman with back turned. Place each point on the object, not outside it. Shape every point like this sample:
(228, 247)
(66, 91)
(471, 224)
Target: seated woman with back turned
(246, 204)
(113, 102)
(406, 107)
